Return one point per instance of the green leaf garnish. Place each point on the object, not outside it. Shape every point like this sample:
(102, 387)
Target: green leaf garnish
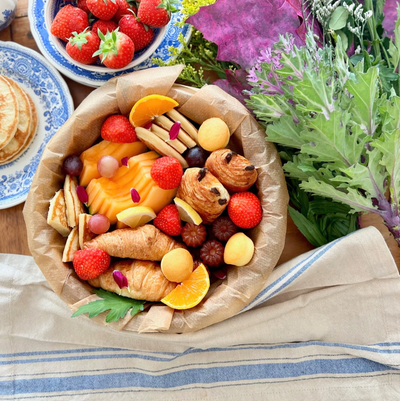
(117, 306)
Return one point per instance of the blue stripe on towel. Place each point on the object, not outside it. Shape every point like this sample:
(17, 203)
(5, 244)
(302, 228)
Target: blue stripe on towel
(188, 377)
(301, 267)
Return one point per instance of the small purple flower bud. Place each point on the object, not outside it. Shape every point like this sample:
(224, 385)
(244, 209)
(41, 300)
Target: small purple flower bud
(82, 194)
(174, 131)
(124, 161)
(120, 279)
(135, 195)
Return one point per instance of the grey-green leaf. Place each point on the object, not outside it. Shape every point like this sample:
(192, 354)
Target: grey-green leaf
(338, 18)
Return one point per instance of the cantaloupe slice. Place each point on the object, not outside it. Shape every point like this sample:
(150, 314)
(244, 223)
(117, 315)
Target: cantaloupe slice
(91, 156)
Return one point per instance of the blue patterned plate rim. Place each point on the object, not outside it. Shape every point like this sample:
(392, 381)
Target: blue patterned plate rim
(54, 105)
(41, 34)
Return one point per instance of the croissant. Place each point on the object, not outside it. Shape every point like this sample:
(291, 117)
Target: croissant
(235, 172)
(145, 280)
(204, 193)
(145, 243)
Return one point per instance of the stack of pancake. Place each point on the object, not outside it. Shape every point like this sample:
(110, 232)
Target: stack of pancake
(18, 120)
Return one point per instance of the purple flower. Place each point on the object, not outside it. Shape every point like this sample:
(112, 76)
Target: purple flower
(135, 195)
(82, 194)
(120, 279)
(266, 56)
(174, 131)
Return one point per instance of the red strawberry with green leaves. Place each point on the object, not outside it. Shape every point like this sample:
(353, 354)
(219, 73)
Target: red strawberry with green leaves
(102, 9)
(104, 26)
(69, 19)
(244, 209)
(83, 6)
(156, 13)
(90, 263)
(125, 7)
(168, 221)
(117, 128)
(81, 46)
(116, 49)
(166, 172)
(141, 34)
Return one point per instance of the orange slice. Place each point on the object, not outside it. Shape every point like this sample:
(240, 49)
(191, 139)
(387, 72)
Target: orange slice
(148, 107)
(191, 291)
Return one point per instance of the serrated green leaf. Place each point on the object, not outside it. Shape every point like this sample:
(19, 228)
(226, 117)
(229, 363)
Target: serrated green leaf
(285, 132)
(394, 55)
(387, 76)
(268, 108)
(316, 93)
(365, 91)
(307, 228)
(338, 18)
(323, 206)
(117, 306)
(330, 141)
(390, 111)
(351, 196)
(389, 146)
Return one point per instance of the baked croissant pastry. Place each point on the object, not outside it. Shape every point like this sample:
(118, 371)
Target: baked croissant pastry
(234, 171)
(146, 243)
(145, 280)
(202, 190)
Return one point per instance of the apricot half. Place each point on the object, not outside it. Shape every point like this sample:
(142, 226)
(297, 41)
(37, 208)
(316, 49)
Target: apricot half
(238, 250)
(213, 134)
(177, 265)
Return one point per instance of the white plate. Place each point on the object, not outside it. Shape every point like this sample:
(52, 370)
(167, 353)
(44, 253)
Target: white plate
(54, 105)
(41, 33)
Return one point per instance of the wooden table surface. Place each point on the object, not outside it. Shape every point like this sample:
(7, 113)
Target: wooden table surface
(12, 222)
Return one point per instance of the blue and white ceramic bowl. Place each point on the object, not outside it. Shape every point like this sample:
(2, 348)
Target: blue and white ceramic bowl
(51, 9)
(7, 12)
(41, 34)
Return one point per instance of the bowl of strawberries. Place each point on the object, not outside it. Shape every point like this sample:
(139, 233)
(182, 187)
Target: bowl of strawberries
(107, 35)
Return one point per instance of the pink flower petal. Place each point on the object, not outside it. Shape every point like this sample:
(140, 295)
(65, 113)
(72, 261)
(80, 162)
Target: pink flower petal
(148, 125)
(220, 274)
(124, 161)
(174, 131)
(82, 194)
(135, 195)
(120, 279)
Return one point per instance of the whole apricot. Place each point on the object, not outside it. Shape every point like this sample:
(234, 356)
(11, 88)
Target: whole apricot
(238, 250)
(213, 134)
(177, 265)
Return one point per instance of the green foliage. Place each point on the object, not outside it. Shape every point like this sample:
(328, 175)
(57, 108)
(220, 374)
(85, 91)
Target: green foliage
(117, 306)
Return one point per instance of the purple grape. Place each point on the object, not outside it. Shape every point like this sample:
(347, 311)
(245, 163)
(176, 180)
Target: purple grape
(196, 157)
(73, 165)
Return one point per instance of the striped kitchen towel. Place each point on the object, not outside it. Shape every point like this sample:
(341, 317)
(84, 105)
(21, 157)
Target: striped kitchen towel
(325, 327)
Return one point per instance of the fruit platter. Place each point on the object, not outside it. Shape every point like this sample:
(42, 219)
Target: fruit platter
(165, 207)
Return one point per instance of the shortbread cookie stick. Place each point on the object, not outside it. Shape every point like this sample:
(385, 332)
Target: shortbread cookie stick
(145, 243)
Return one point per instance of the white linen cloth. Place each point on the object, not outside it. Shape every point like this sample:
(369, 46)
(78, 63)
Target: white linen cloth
(325, 327)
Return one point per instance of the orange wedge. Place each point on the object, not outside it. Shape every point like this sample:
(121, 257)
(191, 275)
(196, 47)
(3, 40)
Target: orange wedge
(149, 107)
(191, 291)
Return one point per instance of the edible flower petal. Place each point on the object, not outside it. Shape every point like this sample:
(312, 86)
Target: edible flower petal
(174, 131)
(82, 194)
(124, 161)
(135, 195)
(148, 125)
(120, 279)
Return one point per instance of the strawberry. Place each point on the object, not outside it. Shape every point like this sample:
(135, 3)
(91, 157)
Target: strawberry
(83, 6)
(104, 26)
(102, 9)
(117, 128)
(168, 220)
(81, 46)
(244, 209)
(116, 49)
(156, 13)
(140, 34)
(90, 263)
(69, 19)
(166, 172)
(125, 7)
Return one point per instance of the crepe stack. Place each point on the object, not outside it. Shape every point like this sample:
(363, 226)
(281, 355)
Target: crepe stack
(18, 120)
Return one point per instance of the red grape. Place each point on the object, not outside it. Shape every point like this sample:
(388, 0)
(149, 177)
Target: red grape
(99, 224)
(107, 166)
(196, 157)
(73, 165)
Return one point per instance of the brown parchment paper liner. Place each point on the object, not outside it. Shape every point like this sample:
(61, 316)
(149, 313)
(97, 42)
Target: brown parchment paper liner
(118, 95)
